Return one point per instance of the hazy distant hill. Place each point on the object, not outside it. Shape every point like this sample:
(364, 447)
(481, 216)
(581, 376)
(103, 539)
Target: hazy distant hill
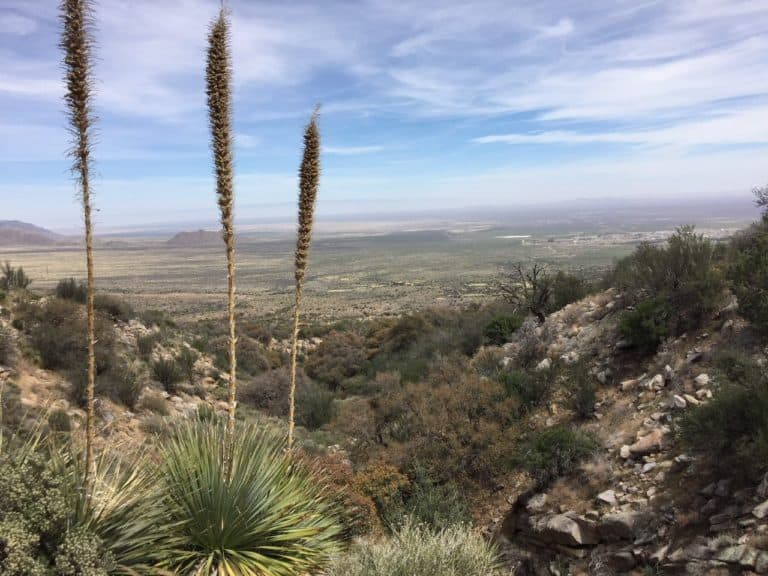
(13, 232)
(195, 238)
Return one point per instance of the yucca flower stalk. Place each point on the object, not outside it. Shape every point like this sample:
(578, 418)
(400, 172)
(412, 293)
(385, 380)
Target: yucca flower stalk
(219, 91)
(77, 43)
(309, 181)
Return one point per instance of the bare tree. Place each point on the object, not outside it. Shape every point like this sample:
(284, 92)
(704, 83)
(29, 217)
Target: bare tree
(530, 288)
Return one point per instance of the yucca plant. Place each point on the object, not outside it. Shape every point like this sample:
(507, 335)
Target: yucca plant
(77, 44)
(219, 91)
(309, 181)
(269, 518)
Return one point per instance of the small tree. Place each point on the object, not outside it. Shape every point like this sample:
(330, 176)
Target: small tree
(761, 197)
(13, 278)
(530, 288)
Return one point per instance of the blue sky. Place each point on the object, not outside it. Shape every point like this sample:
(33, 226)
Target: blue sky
(426, 104)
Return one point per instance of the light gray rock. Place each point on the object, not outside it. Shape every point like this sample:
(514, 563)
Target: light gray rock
(616, 527)
(649, 443)
(760, 511)
(545, 364)
(567, 529)
(679, 402)
(701, 380)
(607, 497)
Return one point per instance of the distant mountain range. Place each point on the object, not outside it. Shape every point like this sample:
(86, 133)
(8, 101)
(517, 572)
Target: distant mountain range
(16, 233)
(188, 239)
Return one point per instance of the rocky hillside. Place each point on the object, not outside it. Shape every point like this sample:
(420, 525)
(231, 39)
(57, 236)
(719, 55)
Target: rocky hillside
(190, 239)
(642, 504)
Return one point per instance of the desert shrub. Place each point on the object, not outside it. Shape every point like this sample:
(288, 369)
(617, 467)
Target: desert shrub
(250, 354)
(258, 331)
(339, 356)
(40, 534)
(168, 372)
(645, 327)
(155, 425)
(380, 383)
(13, 278)
(12, 411)
(736, 366)
(732, 429)
(568, 288)
(405, 332)
(532, 389)
(315, 406)
(146, 344)
(357, 512)
(554, 452)
(71, 289)
(681, 274)
(583, 390)
(6, 347)
(488, 361)
(416, 550)
(58, 333)
(431, 502)
(186, 359)
(748, 273)
(154, 403)
(269, 390)
(58, 421)
(206, 413)
(114, 307)
(456, 424)
(384, 484)
(269, 515)
(156, 318)
(501, 328)
(529, 346)
(3, 295)
(122, 384)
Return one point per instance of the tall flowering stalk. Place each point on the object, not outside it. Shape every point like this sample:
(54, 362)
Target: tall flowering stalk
(309, 181)
(77, 44)
(219, 91)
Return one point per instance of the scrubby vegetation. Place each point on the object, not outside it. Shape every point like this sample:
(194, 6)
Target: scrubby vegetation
(732, 429)
(415, 550)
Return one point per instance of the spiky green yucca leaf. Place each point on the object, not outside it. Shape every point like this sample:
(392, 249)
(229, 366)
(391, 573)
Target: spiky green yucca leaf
(269, 518)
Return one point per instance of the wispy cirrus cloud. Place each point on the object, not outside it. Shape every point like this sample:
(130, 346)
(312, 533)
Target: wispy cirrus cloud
(445, 84)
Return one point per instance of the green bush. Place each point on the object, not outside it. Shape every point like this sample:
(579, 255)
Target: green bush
(431, 502)
(58, 421)
(500, 330)
(748, 273)
(732, 429)
(71, 289)
(532, 389)
(146, 344)
(251, 358)
(315, 406)
(168, 372)
(270, 516)
(13, 278)
(339, 356)
(156, 318)
(186, 359)
(554, 452)
(154, 403)
(645, 327)
(583, 391)
(416, 550)
(568, 288)
(681, 274)
(123, 385)
(3, 295)
(114, 307)
(58, 332)
(6, 347)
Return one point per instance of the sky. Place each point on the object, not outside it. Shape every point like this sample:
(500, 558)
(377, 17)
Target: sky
(426, 104)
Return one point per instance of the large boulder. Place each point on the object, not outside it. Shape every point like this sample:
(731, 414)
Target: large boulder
(566, 529)
(621, 526)
(650, 443)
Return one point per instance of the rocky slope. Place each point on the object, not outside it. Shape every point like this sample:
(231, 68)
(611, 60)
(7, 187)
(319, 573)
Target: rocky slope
(641, 505)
